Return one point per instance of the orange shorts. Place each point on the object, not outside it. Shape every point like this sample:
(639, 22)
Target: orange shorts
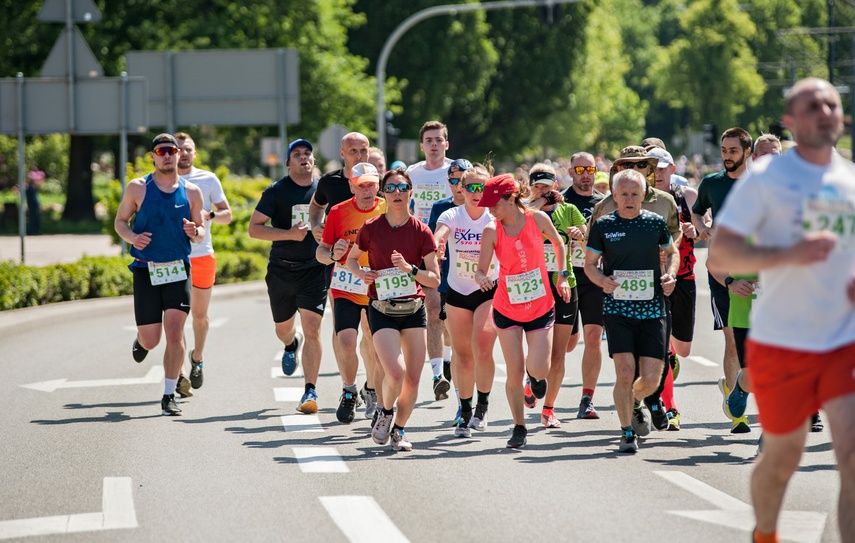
(203, 271)
(790, 385)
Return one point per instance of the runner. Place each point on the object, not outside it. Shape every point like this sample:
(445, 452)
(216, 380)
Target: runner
(396, 242)
(521, 304)
(628, 241)
(472, 331)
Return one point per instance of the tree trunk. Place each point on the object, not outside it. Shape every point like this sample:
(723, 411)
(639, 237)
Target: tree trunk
(79, 203)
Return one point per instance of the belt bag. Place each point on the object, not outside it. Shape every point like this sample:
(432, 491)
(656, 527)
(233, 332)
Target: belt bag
(398, 308)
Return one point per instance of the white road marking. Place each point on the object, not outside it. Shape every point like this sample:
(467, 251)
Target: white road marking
(500, 378)
(361, 520)
(276, 372)
(798, 526)
(154, 375)
(702, 361)
(301, 423)
(288, 394)
(118, 513)
(320, 460)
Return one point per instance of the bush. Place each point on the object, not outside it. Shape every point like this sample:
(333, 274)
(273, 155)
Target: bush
(240, 266)
(64, 282)
(19, 286)
(109, 276)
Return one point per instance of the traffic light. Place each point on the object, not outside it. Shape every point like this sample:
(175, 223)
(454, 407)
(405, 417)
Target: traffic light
(711, 134)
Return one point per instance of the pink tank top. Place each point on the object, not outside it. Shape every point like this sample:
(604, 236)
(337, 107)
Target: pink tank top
(517, 255)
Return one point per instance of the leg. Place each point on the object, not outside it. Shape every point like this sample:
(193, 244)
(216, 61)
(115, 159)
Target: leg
(511, 341)
(434, 328)
(592, 357)
(775, 465)
(173, 357)
(348, 362)
(483, 340)
(561, 337)
(624, 376)
(539, 349)
(413, 344)
(200, 300)
(731, 358)
(387, 344)
(148, 335)
(311, 358)
(650, 375)
(366, 349)
(682, 348)
(462, 322)
(840, 414)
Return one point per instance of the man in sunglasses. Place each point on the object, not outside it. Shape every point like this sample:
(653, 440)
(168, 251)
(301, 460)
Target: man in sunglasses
(167, 214)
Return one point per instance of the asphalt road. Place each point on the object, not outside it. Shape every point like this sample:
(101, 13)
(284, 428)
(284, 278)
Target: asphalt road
(86, 456)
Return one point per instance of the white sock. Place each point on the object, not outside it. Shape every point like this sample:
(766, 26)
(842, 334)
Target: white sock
(446, 352)
(457, 393)
(349, 388)
(169, 386)
(436, 366)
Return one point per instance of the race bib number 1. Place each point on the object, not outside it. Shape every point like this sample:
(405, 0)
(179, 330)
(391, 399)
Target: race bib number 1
(577, 254)
(549, 255)
(525, 287)
(393, 283)
(634, 285)
(161, 273)
(344, 280)
(299, 212)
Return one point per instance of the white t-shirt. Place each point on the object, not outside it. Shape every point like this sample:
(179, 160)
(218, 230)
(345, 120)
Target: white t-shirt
(212, 193)
(464, 248)
(802, 307)
(429, 186)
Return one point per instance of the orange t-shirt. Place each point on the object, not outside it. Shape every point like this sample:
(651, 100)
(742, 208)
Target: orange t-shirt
(343, 222)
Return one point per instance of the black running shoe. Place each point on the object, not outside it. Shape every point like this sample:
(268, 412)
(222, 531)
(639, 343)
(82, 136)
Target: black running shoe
(197, 377)
(517, 440)
(168, 405)
(138, 351)
(658, 415)
(440, 388)
(816, 424)
(346, 407)
(538, 388)
(182, 387)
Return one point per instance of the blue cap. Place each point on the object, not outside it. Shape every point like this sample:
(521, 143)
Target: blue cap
(459, 165)
(398, 164)
(297, 143)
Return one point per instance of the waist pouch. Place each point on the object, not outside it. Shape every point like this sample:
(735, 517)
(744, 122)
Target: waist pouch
(398, 308)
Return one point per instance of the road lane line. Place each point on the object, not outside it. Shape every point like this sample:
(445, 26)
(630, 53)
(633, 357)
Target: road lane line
(361, 520)
(704, 491)
(118, 503)
(320, 460)
(154, 375)
(301, 423)
(702, 361)
(288, 394)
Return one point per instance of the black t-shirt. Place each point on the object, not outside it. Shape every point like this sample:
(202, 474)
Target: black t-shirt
(333, 189)
(712, 192)
(585, 204)
(277, 202)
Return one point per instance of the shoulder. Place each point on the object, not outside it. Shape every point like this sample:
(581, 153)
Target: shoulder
(334, 175)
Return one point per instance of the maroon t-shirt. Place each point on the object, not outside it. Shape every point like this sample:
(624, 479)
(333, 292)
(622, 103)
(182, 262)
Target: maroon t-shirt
(413, 240)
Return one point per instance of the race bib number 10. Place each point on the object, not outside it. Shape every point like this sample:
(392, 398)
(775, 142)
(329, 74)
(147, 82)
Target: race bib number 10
(393, 283)
(634, 285)
(467, 265)
(162, 273)
(525, 287)
(299, 212)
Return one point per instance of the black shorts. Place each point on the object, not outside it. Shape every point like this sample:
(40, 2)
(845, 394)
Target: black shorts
(289, 290)
(641, 337)
(683, 310)
(469, 302)
(720, 302)
(590, 300)
(347, 314)
(150, 301)
(565, 312)
(378, 321)
(543, 322)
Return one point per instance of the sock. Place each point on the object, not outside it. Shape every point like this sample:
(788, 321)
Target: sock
(626, 428)
(548, 407)
(457, 393)
(589, 392)
(349, 388)
(169, 386)
(388, 411)
(483, 397)
(396, 427)
(308, 387)
(466, 406)
(293, 346)
(436, 366)
(637, 404)
(668, 391)
(446, 352)
(368, 389)
(765, 538)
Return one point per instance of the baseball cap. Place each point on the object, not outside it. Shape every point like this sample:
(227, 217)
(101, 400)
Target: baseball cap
(664, 157)
(541, 178)
(495, 188)
(459, 165)
(160, 139)
(398, 164)
(364, 172)
(648, 143)
(298, 143)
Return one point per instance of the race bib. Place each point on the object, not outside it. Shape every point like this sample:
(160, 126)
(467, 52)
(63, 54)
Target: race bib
(425, 195)
(161, 273)
(393, 283)
(757, 290)
(467, 265)
(837, 216)
(577, 254)
(344, 280)
(299, 212)
(525, 287)
(634, 285)
(549, 256)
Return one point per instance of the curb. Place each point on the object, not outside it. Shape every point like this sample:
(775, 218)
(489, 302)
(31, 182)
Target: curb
(28, 318)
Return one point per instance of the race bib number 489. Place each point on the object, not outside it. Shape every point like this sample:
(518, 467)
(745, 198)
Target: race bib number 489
(634, 285)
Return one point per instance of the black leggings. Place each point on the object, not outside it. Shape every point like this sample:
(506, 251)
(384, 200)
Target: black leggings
(739, 337)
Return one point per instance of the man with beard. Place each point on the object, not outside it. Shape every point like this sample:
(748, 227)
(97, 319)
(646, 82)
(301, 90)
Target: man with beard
(714, 188)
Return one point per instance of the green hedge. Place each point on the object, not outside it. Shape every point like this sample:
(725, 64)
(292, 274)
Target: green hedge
(101, 277)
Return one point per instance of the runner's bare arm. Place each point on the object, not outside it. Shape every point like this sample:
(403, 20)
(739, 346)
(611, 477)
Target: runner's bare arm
(730, 252)
(258, 229)
(130, 204)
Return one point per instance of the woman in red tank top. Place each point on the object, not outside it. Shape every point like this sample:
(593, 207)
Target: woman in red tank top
(523, 302)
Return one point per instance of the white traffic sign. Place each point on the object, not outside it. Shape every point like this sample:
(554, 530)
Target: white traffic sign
(154, 375)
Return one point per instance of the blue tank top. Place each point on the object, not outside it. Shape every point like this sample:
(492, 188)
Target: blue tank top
(161, 214)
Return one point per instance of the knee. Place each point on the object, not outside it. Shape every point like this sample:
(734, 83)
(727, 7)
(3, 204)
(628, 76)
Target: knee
(347, 342)
(846, 464)
(624, 375)
(199, 314)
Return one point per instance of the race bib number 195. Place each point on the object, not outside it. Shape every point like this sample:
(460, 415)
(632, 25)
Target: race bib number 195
(393, 283)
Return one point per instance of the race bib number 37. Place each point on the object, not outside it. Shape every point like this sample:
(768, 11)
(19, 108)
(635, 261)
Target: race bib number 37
(634, 285)
(549, 256)
(393, 283)
(162, 273)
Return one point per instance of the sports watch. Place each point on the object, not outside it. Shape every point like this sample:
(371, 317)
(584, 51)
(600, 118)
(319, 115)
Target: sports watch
(414, 270)
(728, 280)
(564, 273)
(212, 214)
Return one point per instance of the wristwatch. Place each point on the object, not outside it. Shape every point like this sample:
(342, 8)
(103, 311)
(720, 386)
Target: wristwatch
(332, 254)
(564, 273)
(212, 214)
(414, 270)
(727, 281)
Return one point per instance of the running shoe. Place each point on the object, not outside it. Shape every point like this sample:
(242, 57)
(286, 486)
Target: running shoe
(518, 440)
(370, 399)
(640, 421)
(138, 351)
(673, 420)
(291, 359)
(168, 406)
(658, 415)
(548, 419)
(586, 409)
(380, 432)
(399, 442)
(446, 370)
(740, 426)
(197, 377)
(816, 424)
(737, 400)
(528, 397)
(462, 429)
(675, 366)
(440, 388)
(725, 392)
(309, 402)
(457, 417)
(346, 407)
(182, 387)
(538, 387)
(374, 416)
(628, 442)
(479, 419)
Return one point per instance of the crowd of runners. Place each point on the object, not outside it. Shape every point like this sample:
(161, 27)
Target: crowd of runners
(438, 260)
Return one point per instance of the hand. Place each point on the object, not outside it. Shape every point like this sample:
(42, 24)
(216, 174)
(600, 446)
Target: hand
(339, 248)
(484, 282)
(299, 231)
(440, 249)
(318, 233)
(814, 247)
(189, 228)
(689, 230)
(563, 289)
(705, 234)
(575, 233)
(400, 263)
(142, 240)
(369, 277)
(668, 283)
(556, 197)
(742, 288)
(610, 285)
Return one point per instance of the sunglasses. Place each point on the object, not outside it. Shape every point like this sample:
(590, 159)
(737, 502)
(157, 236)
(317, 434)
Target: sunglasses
(474, 187)
(400, 187)
(637, 165)
(454, 181)
(165, 151)
(582, 169)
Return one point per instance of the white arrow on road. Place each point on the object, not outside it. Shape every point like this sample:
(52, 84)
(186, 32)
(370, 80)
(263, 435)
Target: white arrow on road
(154, 375)
(798, 526)
(118, 513)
